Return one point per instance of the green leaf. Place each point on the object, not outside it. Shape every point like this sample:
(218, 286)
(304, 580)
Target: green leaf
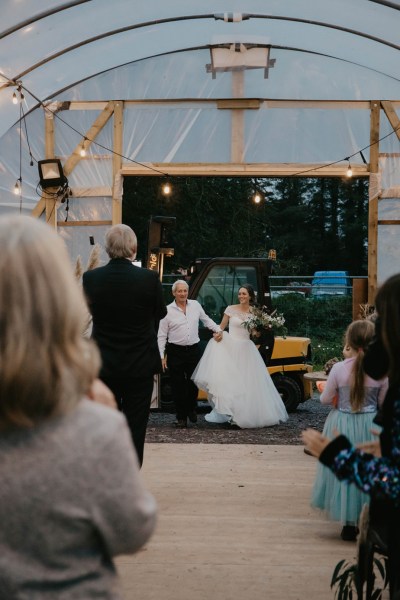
(336, 571)
(380, 567)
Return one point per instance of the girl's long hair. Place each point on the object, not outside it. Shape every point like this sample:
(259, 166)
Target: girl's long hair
(358, 335)
(387, 304)
(45, 364)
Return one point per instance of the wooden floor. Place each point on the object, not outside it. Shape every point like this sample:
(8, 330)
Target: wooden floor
(234, 524)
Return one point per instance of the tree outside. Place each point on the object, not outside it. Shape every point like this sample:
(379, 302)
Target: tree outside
(313, 224)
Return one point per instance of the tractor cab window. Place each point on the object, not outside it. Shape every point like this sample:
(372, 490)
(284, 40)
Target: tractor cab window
(220, 289)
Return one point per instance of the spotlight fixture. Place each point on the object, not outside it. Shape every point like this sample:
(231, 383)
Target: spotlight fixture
(166, 188)
(349, 171)
(51, 173)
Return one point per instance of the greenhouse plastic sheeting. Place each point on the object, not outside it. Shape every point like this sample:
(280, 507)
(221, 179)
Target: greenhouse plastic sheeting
(157, 57)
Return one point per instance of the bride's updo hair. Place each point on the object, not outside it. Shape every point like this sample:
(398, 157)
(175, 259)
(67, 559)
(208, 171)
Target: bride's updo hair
(251, 292)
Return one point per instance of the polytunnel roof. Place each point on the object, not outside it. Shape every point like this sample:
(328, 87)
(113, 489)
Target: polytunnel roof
(316, 49)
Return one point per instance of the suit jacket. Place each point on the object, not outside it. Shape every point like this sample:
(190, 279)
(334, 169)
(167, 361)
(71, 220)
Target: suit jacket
(126, 303)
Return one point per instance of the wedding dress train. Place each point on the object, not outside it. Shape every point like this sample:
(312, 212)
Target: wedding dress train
(236, 380)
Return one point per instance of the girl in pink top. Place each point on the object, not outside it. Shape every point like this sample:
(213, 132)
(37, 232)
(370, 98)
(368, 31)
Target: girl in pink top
(355, 399)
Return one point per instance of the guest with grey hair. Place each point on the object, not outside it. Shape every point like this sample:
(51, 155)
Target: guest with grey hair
(178, 342)
(71, 495)
(126, 303)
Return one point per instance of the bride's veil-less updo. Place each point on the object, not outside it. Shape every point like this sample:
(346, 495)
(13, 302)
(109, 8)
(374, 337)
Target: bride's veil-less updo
(251, 292)
(45, 364)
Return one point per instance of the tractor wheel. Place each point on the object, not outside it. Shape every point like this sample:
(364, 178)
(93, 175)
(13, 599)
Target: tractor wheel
(289, 390)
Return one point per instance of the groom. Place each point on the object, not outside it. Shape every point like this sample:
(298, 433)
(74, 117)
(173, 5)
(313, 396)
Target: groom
(180, 328)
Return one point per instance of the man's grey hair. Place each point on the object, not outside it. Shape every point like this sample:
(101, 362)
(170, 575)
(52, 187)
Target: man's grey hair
(121, 242)
(177, 282)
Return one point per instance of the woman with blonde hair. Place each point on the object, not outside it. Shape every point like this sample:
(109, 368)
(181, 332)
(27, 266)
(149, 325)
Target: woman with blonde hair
(71, 496)
(355, 398)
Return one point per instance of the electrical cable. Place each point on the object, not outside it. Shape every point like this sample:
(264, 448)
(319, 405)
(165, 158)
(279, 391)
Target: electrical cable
(298, 173)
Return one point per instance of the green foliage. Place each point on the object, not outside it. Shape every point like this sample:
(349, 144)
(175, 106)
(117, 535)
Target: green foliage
(323, 320)
(346, 579)
(312, 223)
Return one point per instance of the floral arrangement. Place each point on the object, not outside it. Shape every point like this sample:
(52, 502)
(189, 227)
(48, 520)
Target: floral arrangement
(261, 321)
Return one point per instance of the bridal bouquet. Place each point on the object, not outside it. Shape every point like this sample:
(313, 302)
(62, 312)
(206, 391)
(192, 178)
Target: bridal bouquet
(260, 321)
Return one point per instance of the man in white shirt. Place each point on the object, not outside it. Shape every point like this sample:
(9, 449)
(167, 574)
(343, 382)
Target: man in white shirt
(178, 342)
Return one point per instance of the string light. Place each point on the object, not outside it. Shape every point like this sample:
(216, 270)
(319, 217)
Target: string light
(17, 187)
(83, 150)
(17, 93)
(257, 198)
(166, 188)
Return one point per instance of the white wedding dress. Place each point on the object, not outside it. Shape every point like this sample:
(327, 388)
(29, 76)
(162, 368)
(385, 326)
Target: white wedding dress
(236, 380)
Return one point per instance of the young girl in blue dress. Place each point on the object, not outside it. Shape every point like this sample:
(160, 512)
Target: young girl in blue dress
(355, 398)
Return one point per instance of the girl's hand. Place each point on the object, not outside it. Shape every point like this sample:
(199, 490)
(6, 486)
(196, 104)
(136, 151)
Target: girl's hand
(373, 447)
(314, 441)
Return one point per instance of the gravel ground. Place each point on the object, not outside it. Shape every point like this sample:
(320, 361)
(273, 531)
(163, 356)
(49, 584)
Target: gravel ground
(309, 414)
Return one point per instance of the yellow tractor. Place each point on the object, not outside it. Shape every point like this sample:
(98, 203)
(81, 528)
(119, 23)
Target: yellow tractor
(214, 282)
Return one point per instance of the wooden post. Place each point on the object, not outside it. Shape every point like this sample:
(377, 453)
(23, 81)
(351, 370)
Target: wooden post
(373, 204)
(49, 195)
(117, 162)
(237, 134)
(360, 296)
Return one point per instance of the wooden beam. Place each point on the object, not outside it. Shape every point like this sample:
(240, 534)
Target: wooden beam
(41, 204)
(117, 162)
(239, 103)
(373, 204)
(49, 195)
(388, 222)
(82, 223)
(90, 135)
(237, 119)
(40, 207)
(245, 170)
(392, 117)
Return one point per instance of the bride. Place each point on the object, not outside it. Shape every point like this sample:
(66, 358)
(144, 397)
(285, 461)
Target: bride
(234, 375)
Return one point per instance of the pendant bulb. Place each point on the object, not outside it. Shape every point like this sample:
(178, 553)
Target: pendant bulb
(166, 188)
(17, 187)
(349, 171)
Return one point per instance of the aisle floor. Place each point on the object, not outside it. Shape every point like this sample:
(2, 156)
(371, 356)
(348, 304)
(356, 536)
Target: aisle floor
(234, 524)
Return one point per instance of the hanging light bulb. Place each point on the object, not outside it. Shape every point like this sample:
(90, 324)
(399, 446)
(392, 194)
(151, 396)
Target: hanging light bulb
(166, 188)
(349, 171)
(17, 187)
(82, 150)
(257, 198)
(15, 98)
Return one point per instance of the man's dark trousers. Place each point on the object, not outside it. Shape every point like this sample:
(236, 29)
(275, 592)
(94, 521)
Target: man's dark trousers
(133, 397)
(181, 362)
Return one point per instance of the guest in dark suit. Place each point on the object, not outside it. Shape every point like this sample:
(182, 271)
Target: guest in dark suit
(126, 303)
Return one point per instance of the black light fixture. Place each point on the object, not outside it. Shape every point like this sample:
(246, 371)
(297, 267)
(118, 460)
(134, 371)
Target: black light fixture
(51, 173)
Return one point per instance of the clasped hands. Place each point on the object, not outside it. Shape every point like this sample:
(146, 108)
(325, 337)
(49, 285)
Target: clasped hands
(217, 336)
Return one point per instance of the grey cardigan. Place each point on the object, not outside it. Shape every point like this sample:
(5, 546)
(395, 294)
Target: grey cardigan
(71, 498)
